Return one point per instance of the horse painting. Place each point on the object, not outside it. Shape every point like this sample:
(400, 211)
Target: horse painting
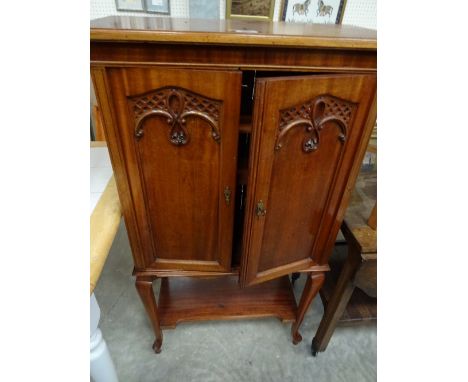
(323, 9)
(301, 8)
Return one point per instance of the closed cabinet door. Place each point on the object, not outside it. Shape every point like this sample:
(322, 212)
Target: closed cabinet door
(177, 133)
(308, 134)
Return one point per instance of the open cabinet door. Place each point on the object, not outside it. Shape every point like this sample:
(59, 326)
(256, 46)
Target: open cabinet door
(308, 139)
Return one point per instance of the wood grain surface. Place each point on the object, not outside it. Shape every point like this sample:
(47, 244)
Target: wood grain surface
(360, 306)
(302, 191)
(177, 190)
(169, 91)
(195, 299)
(237, 32)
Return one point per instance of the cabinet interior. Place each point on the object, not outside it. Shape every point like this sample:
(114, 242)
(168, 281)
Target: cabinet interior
(241, 194)
(248, 92)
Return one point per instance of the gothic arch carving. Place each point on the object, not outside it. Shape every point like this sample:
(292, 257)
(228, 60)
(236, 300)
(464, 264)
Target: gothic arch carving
(176, 105)
(313, 115)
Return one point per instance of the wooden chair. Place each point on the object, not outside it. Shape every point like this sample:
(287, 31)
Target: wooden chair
(350, 291)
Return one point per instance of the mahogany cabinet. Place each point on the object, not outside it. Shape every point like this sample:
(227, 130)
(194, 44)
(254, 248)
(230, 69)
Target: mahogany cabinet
(235, 146)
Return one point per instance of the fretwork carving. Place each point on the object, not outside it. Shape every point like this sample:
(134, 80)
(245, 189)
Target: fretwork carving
(176, 104)
(313, 115)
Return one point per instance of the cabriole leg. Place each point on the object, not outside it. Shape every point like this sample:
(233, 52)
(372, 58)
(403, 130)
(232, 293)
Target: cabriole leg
(144, 286)
(313, 285)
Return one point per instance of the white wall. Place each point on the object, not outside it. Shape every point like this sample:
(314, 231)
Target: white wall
(362, 13)
(357, 12)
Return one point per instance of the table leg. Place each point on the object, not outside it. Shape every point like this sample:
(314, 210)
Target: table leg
(101, 365)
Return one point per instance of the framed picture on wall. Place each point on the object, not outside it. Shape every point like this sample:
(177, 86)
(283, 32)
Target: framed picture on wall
(204, 9)
(250, 9)
(314, 11)
(157, 6)
(130, 5)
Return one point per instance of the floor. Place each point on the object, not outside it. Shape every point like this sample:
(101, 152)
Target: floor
(247, 350)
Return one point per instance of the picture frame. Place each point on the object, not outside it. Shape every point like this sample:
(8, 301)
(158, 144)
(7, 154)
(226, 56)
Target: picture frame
(130, 5)
(157, 6)
(314, 11)
(250, 9)
(204, 9)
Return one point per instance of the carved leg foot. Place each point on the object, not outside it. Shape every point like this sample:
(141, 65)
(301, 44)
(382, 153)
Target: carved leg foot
(296, 336)
(157, 346)
(144, 286)
(313, 285)
(294, 277)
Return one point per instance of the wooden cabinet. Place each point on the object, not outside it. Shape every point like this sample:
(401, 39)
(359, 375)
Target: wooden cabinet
(234, 154)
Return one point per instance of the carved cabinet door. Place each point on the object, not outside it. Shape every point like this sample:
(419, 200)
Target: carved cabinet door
(175, 133)
(309, 136)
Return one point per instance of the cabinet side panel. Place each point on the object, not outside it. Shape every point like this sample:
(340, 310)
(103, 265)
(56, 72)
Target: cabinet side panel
(103, 95)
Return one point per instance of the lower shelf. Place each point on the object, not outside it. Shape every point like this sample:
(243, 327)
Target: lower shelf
(184, 299)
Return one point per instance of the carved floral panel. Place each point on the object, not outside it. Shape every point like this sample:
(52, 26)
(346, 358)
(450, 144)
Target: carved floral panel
(176, 105)
(313, 115)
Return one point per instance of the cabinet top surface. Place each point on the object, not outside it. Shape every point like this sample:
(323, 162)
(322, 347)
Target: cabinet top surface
(232, 31)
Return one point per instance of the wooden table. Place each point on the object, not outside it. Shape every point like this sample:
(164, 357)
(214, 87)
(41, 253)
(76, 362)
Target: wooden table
(105, 220)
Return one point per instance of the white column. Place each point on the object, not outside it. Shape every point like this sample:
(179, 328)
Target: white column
(102, 367)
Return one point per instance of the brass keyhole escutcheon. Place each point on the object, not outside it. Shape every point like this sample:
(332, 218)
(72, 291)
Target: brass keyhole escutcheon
(227, 195)
(260, 210)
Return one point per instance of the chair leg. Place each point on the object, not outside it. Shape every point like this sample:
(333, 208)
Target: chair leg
(338, 301)
(144, 286)
(313, 285)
